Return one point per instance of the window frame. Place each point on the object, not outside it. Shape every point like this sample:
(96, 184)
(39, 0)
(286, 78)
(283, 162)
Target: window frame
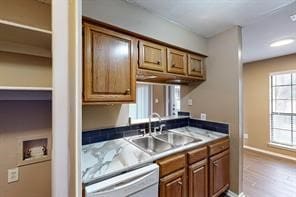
(272, 142)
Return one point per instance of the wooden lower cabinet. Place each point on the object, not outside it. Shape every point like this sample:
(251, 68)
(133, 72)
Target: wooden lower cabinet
(219, 173)
(173, 185)
(198, 179)
(201, 172)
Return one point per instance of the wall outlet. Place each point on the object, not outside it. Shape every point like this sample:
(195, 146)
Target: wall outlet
(189, 102)
(246, 136)
(203, 116)
(13, 175)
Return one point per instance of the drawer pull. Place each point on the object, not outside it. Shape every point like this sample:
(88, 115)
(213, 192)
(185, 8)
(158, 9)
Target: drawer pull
(158, 62)
(180, 183)
(173, 65)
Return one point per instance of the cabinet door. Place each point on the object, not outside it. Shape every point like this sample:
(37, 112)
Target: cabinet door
(173, 185)
(219, 173)
(109, 65)
(196, 66)
(198, 179)
(177, 61)
(151, 56)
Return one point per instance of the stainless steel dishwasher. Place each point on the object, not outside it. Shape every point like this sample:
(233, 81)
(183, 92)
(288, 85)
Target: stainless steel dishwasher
(142, 182)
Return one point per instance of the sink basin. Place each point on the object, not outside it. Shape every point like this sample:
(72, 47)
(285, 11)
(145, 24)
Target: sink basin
(177, 139)
(151, 144)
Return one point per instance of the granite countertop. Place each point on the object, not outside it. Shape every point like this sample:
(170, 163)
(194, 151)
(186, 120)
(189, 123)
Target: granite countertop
(108, 158)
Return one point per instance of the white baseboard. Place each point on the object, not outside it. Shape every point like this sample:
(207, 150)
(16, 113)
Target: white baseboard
(270, 153)
(232, 194)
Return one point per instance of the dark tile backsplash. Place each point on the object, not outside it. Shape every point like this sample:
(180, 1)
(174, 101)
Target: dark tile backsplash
(183, 113)
(209, 125)
(93, 136)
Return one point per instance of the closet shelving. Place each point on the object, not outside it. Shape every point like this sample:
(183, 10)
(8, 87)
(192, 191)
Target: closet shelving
(24, 39)
(25, 93)
(17, 38)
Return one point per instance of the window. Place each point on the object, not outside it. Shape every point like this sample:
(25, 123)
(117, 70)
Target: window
(162, 99)
(142, 108)
(283, 109)
(174, 99)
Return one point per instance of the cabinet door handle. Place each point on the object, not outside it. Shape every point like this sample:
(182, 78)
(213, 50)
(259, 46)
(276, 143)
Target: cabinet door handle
(158, 62)
(173, 65)
(215, 164)
(193, 69)
(127, 91)
(180, 183)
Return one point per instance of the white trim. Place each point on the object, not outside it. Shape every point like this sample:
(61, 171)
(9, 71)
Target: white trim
(77, 6)
(60, 172)
(270, 153)
(232, 194)
(280, 146)
(16, 88)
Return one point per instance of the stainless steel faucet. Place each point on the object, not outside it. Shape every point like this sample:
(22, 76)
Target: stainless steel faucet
(150, 117)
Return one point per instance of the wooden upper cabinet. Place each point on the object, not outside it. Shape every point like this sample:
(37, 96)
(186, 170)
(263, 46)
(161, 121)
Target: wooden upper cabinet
(152, 56)
(109, 65)
(177, 61)
(198, 179)
(173, 185)
(196, 66)
(219, 173)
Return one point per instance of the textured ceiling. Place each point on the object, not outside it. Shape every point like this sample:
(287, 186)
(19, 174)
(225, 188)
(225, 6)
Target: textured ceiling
(209, 17)
(258, 35)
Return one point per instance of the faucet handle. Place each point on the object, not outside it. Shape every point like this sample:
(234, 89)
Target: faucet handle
(161, 127)
(142, 131)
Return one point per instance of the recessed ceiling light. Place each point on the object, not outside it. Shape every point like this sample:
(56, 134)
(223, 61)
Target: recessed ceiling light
(293, 18)
(282, 42)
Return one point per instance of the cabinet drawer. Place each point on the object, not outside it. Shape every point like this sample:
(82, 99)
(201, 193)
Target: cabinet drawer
(219, 147)
(197, 155)
(171, 164)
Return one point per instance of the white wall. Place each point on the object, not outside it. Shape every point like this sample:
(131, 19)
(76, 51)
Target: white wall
(132, 18)
(219, 95)
(136, 19)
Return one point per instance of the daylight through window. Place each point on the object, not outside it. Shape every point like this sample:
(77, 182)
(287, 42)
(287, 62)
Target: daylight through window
(283, 109)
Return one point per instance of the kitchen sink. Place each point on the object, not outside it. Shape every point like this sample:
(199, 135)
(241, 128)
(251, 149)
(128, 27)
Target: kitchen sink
(151, 144)
(176, 139)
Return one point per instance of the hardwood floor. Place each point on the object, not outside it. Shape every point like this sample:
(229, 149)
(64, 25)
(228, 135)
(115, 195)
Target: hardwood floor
(266, 176)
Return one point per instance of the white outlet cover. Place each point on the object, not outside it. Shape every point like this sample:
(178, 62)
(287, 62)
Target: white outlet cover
(203, 116)
(246, 136)
(189, 102)
(13, 175)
